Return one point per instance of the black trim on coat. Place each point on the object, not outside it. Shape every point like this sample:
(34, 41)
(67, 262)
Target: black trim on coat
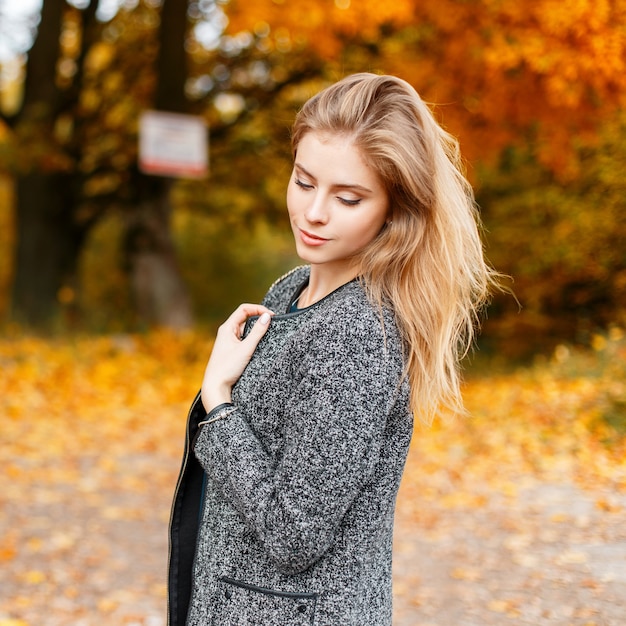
(184, 523)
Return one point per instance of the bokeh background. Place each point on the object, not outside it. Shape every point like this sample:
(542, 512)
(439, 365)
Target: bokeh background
(112, 281)
(534, 90)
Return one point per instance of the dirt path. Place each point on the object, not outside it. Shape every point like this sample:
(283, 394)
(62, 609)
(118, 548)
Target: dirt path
(94, 553)
(553, 554)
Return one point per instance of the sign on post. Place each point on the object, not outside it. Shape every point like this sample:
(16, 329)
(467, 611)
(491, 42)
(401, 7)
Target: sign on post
(173, 144)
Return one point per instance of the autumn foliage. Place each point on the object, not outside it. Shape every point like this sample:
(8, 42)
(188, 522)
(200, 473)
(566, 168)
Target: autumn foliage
(92, 433)
(499, 71)
(535, 91)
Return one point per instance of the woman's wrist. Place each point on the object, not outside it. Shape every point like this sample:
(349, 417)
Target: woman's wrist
(220, 412)
(212, 398)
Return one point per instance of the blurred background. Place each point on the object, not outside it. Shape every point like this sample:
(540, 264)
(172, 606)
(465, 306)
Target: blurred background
(115, 269)
(535, 91)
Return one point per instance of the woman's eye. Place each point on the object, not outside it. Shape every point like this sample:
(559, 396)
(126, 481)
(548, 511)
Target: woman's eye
(348, 202)
(302, 184)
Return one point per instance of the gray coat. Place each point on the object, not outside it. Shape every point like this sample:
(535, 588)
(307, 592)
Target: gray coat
(301, 479)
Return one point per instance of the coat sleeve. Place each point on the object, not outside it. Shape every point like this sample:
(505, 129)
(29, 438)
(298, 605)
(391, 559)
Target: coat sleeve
(334, 431)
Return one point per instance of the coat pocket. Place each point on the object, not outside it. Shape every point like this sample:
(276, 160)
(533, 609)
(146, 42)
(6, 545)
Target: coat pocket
(241, 604)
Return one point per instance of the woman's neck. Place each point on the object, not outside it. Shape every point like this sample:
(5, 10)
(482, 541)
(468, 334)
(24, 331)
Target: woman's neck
(322, 282)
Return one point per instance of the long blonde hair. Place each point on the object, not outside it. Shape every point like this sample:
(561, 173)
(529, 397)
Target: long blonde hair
(427, 263)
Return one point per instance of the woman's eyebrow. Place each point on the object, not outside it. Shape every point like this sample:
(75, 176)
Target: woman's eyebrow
(356, 186)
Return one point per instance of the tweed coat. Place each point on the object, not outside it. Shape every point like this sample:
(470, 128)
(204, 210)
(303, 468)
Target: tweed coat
(283, 513)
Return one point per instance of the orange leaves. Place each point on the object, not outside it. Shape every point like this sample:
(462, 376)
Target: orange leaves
(510, 516)
(92, 432)
(497, 512)
(317, 25)
(574, 46)
(501, 70)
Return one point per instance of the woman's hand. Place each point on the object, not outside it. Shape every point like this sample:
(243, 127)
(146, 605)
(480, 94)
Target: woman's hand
(231, 354)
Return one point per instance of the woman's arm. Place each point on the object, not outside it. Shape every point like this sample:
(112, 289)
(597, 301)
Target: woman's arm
(337, 417)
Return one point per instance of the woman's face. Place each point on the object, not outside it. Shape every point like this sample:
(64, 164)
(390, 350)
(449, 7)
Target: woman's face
(336, 202)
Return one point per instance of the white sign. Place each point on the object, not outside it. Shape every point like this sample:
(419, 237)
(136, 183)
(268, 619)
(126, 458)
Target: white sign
(172, 144)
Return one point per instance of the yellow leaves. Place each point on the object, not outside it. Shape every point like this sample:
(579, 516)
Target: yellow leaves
(107, 605)
(72, 395)
(93, 426)
(90, 100)
(35, 544)
(91, 434)
(33, 577)
(604, 504)
(463, 499)
(523, 494)
(510, 607)
(465, 573)
(100, 56)
(572, 557)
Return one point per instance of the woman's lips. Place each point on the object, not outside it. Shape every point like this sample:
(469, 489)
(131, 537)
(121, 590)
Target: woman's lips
(310, 239)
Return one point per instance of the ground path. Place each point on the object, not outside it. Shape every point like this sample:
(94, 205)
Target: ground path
(94, 552)
(552, 555)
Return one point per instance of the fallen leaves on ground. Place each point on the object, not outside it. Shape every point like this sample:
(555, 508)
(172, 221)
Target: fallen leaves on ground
(512, 515)
(516, 514)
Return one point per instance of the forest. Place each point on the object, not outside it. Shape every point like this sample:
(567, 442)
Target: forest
(535, 94)
(113, 280)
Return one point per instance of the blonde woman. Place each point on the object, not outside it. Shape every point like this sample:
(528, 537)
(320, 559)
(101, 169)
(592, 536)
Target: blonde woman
(283, 514)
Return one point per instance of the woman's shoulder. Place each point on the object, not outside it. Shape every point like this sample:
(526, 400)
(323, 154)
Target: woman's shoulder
(283, 288)
(353, 318)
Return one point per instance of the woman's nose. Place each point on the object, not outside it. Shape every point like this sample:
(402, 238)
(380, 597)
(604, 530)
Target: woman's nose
(317, 211)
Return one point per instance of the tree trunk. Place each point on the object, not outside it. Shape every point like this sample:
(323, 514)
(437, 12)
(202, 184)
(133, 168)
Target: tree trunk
(160, 294)
(47, 249)
(47, 239)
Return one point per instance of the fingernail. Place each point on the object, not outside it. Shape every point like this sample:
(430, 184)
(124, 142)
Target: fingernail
(265, 318)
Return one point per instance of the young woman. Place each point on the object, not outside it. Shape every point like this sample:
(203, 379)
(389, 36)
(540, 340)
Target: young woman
(283, 513)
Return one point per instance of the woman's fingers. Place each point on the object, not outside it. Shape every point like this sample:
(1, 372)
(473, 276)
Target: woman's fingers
(231, 353)
(237, 320)
(244, 311)
(258, 329)
(251, 340)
